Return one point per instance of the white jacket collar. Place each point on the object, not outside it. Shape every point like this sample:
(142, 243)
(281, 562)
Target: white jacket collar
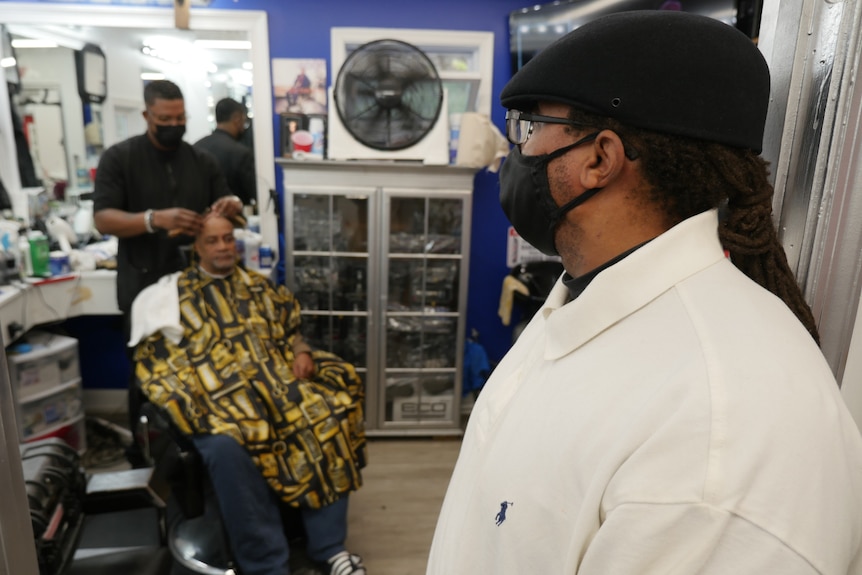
(630, 284)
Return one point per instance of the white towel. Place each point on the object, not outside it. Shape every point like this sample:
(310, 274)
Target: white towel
(157, 308)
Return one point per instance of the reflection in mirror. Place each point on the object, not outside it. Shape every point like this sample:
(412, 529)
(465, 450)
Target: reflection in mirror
(67, 134)
(92, 74)
(48, 106)
(41, 108)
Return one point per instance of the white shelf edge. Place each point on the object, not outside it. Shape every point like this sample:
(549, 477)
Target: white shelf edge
(49, 392)
(49, 430)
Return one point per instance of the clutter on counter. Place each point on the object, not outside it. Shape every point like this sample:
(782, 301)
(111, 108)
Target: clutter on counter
(55, 238)
(58, 238)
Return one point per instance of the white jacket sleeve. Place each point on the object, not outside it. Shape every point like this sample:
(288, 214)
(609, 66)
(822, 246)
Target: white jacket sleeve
(684, 539)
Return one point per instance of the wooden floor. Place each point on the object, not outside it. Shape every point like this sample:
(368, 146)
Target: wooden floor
(392, 518)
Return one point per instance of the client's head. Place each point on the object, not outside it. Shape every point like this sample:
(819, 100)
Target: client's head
(216, 245)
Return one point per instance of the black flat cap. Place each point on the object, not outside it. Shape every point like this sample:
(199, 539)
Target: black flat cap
(670, 72)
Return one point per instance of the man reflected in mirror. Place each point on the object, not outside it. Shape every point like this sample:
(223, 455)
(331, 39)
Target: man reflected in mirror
(225, 144)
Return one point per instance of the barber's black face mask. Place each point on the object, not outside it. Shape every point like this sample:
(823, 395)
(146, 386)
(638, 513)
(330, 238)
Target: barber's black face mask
(170, 136)
(525, 195)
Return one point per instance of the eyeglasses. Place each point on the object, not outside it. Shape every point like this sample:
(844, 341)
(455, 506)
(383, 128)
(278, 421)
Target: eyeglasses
(519, 125)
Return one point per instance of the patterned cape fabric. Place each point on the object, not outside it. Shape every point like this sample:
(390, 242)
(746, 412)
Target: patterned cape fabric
(232, 374)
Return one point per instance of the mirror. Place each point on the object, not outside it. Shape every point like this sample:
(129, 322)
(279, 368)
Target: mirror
(39, 106)
(225, 53)
(65, 80)
(92, 74)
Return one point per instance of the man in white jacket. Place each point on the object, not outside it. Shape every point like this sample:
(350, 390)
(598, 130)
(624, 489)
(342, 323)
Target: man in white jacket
(663, 413)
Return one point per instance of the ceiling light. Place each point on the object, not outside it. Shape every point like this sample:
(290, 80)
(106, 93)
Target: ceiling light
(224, 44)
(7, 62)
(31, 43)
(152, 76)
(241, 77)
(166, 53)
(61, 36)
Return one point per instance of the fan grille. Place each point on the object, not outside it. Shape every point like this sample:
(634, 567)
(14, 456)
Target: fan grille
(388, 94)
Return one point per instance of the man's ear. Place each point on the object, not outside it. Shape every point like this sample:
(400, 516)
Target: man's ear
(606, 162)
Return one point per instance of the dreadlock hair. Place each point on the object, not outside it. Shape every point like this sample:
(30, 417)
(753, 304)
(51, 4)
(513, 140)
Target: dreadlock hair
(687, 177)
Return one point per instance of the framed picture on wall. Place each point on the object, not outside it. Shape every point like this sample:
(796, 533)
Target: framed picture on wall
(299, 85)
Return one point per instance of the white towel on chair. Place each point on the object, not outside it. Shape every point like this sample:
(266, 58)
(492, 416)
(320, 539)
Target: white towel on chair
(157, 308)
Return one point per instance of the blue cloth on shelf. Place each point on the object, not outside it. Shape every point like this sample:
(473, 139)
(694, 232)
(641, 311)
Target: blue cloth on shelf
(476, 367)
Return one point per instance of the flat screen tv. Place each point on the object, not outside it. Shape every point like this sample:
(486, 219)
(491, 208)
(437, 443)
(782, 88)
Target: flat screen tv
(534, 27)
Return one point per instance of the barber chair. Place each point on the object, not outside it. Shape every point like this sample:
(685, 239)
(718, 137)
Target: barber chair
(195, 533)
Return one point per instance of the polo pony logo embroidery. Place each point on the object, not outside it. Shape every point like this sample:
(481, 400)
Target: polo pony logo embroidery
(501, 516)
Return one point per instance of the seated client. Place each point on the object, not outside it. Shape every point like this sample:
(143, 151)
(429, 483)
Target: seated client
(218, 348)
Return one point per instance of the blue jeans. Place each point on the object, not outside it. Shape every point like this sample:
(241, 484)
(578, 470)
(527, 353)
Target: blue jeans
(250, 512)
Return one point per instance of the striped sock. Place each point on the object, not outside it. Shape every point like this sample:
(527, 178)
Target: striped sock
(345, 563)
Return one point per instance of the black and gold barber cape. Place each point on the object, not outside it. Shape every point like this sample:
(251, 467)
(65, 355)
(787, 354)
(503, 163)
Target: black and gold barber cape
(232, 374)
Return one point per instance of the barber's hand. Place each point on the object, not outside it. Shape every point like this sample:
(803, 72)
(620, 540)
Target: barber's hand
(227, 206)
(178, 221)
(303, 366)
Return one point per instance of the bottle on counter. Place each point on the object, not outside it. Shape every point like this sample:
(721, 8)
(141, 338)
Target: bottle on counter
(82, 174)
(266, 256)
(251, 253)
(39, 254)
(25, 263)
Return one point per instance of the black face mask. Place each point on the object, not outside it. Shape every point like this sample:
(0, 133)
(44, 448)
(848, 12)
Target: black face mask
(170, 136)
(525, 195)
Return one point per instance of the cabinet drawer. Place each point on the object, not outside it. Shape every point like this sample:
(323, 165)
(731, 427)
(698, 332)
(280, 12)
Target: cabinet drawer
(73, 432)
(42, 362)
(41, 413)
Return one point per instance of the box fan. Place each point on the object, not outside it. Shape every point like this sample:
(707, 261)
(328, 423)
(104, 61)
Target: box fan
(388, 103)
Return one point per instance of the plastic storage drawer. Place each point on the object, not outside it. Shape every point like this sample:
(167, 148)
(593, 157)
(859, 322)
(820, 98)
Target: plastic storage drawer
(42, 413)
(51, 360)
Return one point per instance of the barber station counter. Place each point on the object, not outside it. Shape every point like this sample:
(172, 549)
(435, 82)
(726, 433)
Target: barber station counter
(36, 301)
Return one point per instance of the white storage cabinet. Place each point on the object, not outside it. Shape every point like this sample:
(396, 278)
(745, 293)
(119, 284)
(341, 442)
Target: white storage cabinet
(45, 374)
(377, 254)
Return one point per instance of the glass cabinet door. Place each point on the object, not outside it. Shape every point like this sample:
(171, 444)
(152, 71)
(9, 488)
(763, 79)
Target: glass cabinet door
(377, 254)
(423, 262)
(329, 270)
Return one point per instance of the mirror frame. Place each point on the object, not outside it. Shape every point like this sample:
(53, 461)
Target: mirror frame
(253, 22)
(86, 75)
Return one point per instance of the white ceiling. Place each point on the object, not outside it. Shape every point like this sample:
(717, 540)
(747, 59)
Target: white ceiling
(175, 40)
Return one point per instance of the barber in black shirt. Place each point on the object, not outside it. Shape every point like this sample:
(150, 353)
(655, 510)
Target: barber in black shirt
(150, 192)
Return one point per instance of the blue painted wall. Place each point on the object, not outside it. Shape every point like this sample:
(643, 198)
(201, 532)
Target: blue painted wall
(300, 29)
